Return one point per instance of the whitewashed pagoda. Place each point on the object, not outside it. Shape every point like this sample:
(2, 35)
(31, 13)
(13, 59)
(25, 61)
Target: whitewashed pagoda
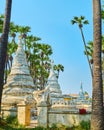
(19, 86)
(53, 86)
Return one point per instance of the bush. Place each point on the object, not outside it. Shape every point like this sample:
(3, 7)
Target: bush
(2, 122)
(85, 125)
(39, 128)
(12, 120)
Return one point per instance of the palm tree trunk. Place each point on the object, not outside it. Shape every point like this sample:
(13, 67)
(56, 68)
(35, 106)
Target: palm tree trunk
(3, 45)
(97, 118)
(5, 73)
(86, 51)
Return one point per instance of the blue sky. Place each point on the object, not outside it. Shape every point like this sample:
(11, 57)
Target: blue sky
(50, 20)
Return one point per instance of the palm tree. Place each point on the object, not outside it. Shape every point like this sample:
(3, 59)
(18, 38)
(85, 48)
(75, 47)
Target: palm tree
(3, 44)
(80, 21)
(97, 118)
(90, 53)
(45, 51)
(58, 68)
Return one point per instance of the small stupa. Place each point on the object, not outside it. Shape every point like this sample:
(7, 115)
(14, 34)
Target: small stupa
(19, 86)
(52, 93)
(53, 86)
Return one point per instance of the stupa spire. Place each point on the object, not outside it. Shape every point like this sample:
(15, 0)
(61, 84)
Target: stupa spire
(52, 74)
(81, 87)
(81, 93)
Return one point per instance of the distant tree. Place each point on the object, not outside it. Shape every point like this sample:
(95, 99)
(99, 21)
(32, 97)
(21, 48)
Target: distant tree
(3, 44)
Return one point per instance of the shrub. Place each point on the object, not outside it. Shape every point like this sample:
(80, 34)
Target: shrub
(53, 127)
(2, 122)
(40, 128)
(12, 120)
(85, 125)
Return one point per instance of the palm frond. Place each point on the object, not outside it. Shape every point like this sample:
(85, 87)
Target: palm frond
(73, 22)
(82, 17)
(76, 18)
(86, 22)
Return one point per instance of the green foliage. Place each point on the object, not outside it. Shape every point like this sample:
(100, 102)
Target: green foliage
(103, 14)
(89, 52)
(12, 120)
(3, 122)
(54, 126)
(84, 125)
(89, 49)
(11, 123)
(102, 11)
(40, 128)
(1, 22)
(58, 68)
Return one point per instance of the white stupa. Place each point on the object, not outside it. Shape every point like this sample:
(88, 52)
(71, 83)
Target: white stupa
(19, 86)
(53, 86)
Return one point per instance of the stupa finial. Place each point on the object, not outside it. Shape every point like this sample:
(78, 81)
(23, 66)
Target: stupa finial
(19, 41)
(52, 64)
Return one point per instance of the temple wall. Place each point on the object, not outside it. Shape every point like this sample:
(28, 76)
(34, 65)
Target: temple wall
(66, 118)
(9, 111)
(43, 114)
(60, 115)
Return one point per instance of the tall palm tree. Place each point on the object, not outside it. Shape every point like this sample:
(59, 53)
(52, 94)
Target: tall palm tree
(3, 44)
(45, 52)
(97, 118)
(80, 21)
